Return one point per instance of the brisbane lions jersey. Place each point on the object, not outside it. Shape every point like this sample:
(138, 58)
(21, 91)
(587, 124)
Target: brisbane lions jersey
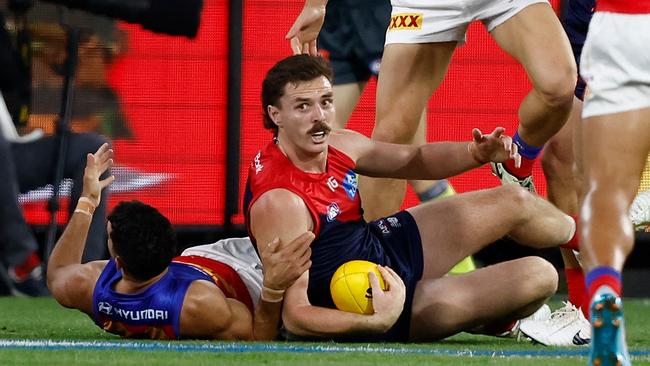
(335, 208)
(155, 312)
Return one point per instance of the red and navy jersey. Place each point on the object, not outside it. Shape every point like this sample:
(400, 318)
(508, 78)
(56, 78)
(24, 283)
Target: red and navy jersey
(155, 312)
(335, 207)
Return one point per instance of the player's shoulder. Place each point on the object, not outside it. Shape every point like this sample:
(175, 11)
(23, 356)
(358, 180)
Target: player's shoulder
(202, 295)
(279, 200)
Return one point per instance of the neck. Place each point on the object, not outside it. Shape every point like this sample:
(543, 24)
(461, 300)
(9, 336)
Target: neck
(305, 161)
(130, 285)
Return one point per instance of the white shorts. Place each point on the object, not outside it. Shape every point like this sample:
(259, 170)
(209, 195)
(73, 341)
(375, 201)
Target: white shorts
(615, 64)
(239, 254)
(432, 21)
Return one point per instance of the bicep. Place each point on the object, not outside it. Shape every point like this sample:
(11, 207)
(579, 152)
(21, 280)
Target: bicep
(281, 214)
(72, 286)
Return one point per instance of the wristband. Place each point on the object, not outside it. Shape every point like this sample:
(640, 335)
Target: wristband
(86, 205)
(83, 212)
(272, 295)
(469, 148)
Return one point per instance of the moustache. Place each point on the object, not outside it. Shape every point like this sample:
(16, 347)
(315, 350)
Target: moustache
(319, 127)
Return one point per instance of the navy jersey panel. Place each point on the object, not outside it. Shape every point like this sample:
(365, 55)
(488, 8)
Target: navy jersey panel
(392, 241)
(153, 313)
(575, 20)
(353, 38)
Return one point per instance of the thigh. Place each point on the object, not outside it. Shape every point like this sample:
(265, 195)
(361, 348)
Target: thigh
(535, 38)
(461, 225)
(409, 74)
(615, 149)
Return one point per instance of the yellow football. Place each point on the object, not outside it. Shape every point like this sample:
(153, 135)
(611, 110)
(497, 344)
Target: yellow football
(350, 286)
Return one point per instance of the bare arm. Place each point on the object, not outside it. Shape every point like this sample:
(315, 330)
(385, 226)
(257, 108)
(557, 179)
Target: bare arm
(70, 282)
(280, 222)
(302, 318)
(306, 27)
(436, 160)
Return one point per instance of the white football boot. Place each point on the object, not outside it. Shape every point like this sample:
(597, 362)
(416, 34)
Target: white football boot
(566, 326)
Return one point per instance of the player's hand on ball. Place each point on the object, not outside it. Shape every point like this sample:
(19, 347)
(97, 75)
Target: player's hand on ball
(284, 264)
(388, 305)
(494, 147)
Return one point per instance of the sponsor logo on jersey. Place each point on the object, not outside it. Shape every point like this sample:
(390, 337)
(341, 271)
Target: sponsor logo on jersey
(393, 221)
(405, 21)
(332, 183)
(258, 163)
(350, 183)
(105, 308)
(333, 210)
(382, 226)
(145, 314)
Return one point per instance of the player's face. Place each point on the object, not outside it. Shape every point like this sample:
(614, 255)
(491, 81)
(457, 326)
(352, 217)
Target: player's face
(305, 115)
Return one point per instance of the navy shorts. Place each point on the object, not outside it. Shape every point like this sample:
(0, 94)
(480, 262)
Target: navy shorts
(400, 238)
(575, 19)
(352, 38)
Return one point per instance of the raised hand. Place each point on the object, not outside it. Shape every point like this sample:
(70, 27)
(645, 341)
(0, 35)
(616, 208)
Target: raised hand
(96, 165)
(305, 29)
(388, 305)
(284, 264)
(494, 147)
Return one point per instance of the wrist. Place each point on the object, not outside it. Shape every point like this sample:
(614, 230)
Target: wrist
(85, 206)
(471, 147)
(271, 295)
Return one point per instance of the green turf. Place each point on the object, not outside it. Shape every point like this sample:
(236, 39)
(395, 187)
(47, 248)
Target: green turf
(43, 319)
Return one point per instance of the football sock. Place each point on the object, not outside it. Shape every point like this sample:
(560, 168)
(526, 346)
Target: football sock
(441, 189)
(575, 280)
(603, 276)
(528, 155)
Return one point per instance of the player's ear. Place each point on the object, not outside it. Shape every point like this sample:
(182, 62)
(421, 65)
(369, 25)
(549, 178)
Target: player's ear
(118, 262)
(274, 114)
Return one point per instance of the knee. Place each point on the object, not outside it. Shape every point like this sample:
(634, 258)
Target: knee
(396, 130)
(517, 195)
(557, 160)
(557, 87)
(540, 277)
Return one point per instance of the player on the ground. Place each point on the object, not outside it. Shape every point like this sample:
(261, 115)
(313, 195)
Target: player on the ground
(306, 179)
(615, 141)
(213, 291)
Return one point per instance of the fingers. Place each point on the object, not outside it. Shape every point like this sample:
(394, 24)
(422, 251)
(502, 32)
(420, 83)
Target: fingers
(374, 282)
(313, 49)
(106, 182)
(477, 135)
(102, 149)
(271, 247)
(498, 131)
(296, 47)
(392, 279)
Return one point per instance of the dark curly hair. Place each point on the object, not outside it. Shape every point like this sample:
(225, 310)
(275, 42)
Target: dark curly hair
(143, 239)
(292, 69)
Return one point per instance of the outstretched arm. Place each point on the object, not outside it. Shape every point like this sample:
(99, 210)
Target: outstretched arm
(436, 160)
(70, 282)
(303, 319)
(306, 27)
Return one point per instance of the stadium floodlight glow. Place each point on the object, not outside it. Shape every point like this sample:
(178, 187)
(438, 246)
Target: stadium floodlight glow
(174, 17)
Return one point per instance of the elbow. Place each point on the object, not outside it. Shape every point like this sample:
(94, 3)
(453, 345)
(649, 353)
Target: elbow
(292, 323)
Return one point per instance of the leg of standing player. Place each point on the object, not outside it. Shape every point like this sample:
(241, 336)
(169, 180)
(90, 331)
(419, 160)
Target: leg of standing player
(409, 74)
(505, 291)
(535, 38)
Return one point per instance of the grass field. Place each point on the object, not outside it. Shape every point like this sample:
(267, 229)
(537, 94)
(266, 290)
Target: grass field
(40, 332)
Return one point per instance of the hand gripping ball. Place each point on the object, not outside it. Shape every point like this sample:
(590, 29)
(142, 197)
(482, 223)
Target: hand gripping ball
(350, 286)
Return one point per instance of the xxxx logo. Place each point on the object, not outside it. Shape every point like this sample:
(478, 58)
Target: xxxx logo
(410, 21)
